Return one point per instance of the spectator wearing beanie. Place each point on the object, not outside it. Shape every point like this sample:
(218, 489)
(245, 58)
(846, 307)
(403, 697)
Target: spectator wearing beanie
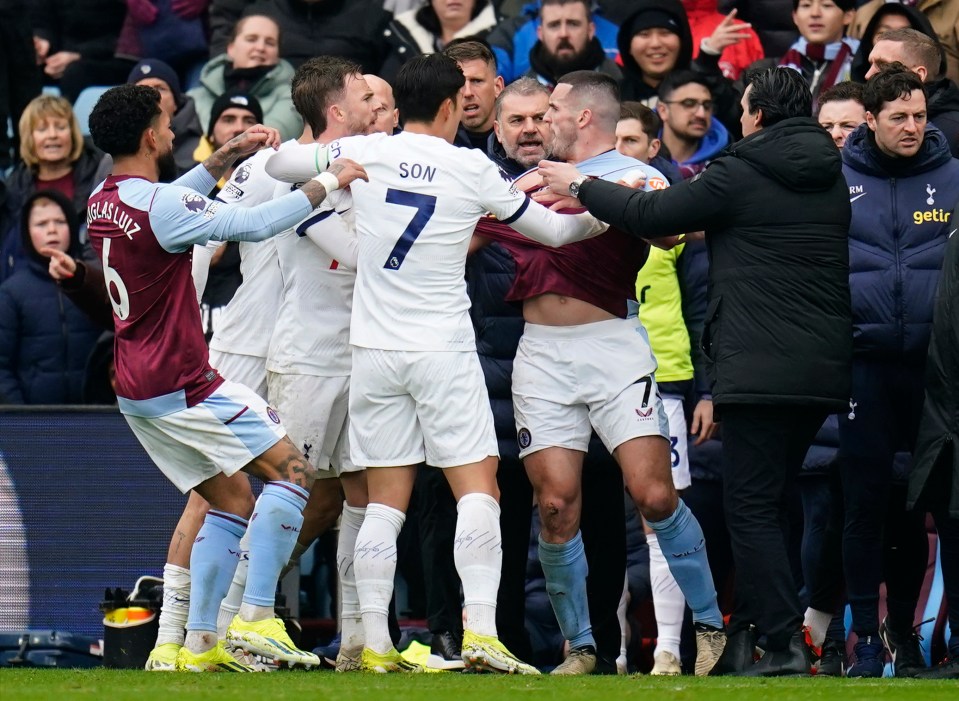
(656, 40)
(252, 65)
(231, 115)
(822, 54)
(184, 120)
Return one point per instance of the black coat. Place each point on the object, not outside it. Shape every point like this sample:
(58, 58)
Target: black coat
(348, 28)
(776, 212)
(939, 427)
(88, 27)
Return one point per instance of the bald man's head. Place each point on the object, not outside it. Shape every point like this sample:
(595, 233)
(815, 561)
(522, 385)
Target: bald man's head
(387, 116)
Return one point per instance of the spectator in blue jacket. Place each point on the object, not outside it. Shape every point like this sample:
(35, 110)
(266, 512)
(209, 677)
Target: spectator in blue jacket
(903, 184)
(45, 339)
(513, 40)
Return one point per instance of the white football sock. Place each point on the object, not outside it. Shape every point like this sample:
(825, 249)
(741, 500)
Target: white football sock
(668, 600)
(351, 623)
(374, 563)
(478, 554)
(818, 623)
(230, 606)
(176, 604)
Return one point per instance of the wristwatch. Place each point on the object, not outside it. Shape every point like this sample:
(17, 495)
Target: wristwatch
(576, 184)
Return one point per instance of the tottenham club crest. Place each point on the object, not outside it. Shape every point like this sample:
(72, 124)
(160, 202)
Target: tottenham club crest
(193, 203)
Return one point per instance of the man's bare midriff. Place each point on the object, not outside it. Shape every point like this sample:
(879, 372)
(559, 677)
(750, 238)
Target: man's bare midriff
(559, 310)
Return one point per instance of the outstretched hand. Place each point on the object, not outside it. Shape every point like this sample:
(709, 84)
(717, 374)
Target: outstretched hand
(728, 33)
(253, 139)
(346, 171)
(62, 266)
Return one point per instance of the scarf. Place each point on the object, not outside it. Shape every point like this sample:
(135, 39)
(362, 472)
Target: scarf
(822, 65)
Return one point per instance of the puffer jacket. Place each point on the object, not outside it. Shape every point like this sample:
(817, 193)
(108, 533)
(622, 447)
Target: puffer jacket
(901, 218)
(499, 325)
(45, 339)
(272, 91)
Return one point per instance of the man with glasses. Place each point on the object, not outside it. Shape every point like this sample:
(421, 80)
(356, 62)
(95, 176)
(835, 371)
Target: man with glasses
(690, 133)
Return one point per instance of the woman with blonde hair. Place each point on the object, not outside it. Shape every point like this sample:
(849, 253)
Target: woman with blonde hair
(54, 156)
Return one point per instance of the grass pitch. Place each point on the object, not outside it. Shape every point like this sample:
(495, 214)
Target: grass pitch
(112, 685)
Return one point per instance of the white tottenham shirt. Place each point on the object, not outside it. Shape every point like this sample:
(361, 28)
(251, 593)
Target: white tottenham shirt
(414, 221)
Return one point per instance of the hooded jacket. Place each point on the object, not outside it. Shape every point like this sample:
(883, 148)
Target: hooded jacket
(22, 183)
(513, 40)
(917, 20)
(272, 91)
(710, 146)
(901, 218)
(44, 339)
(943, 15)
(633, 87)
(775, 211)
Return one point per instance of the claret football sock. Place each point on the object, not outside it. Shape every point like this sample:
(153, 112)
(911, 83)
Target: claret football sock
(682, 542)
(216, 552)
(478, 556)
(375, 566)
(274, 528)
(566, 569)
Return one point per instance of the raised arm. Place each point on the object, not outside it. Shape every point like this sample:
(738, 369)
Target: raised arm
(182, 218)
(691, 205)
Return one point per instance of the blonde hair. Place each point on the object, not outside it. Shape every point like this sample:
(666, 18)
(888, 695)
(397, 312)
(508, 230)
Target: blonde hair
(42, 108)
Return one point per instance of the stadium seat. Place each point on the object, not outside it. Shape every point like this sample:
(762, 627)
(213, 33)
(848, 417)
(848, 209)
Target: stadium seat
(84, 105)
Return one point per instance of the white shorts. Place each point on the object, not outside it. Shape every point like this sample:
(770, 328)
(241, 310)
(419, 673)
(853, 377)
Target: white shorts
(569, 380)
(249, 370)
(316, 414)
(407, 407)
(678, 446)
(223, 433)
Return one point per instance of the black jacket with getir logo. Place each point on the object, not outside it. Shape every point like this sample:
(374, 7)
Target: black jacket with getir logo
(775, 211)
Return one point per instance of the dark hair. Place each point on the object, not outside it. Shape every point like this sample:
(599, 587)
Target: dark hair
(319, 83)
(647, 118)
(462, 50)
(847, 90)
(844, 5)
(120, 117)
(422, 85)
(674, 80)
(888, 85)
(427, 18)
(585, 3)
(924, 50)
(780, 92)
(525, 86)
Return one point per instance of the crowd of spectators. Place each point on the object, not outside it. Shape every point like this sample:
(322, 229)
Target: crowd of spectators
(223, 65)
